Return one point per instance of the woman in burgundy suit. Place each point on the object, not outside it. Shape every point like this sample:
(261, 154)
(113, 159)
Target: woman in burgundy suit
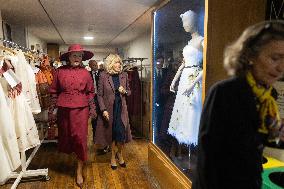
(72, 93)
(113, 129)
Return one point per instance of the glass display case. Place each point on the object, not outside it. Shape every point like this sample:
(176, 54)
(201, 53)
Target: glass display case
(177, 80)
(178, 28)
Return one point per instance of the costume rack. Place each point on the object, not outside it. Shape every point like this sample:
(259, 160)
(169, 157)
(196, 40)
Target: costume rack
(134, 60)
(24, 173)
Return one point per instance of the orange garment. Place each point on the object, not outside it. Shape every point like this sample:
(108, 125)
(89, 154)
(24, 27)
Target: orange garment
(40, 77)
(48, 72)
(47, 69)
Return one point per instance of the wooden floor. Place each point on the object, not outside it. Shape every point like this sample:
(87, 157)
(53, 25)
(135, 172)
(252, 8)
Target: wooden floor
(97, 172)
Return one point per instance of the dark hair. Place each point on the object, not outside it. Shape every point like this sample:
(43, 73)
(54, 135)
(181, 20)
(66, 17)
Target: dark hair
(249, 44)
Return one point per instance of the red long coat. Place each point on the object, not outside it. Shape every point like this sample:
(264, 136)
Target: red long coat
(106, 96)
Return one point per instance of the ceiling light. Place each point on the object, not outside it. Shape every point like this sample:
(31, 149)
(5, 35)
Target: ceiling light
(88, 38)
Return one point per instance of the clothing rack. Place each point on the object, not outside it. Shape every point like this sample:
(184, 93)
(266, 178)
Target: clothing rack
(13, 44)
(24, 173)
(132, 60)
(28, 173)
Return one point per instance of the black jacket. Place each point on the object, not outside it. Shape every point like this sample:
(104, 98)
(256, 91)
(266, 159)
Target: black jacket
(229, 146)
(97, 76)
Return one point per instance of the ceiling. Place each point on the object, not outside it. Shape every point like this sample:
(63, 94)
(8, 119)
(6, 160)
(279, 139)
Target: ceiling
(110, 22)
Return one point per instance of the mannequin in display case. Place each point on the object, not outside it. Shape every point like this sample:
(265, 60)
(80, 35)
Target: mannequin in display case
(184, 123)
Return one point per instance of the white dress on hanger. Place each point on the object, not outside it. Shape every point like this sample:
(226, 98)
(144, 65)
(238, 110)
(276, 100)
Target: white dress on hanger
(26, 74)
(9, 151)
(25, 127)
(184, 123)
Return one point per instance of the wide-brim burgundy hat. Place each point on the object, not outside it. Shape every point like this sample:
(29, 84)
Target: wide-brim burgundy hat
(77, 48)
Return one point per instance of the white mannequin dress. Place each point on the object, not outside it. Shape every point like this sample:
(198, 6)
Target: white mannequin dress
(184, 123)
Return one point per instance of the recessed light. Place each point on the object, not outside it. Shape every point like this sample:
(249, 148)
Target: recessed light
(88, 37)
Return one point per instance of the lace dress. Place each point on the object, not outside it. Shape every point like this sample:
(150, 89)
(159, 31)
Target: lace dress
(184, 123)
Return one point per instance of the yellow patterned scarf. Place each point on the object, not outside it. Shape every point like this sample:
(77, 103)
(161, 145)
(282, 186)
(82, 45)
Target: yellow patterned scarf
(267, 106)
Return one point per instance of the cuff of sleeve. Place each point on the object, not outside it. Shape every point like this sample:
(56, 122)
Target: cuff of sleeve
(1, 71)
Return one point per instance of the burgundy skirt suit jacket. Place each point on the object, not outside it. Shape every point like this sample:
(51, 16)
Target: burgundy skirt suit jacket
(106, 97)
(73, 88)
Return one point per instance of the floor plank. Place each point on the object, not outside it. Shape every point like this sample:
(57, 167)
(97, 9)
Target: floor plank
(97, 172)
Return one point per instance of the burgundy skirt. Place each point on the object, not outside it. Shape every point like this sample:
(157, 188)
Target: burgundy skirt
(73, 131)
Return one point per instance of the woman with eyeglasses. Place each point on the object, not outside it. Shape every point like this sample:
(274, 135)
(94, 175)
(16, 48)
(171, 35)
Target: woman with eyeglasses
(240, 114)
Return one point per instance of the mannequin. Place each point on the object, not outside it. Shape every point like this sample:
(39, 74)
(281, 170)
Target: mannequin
(184, 123)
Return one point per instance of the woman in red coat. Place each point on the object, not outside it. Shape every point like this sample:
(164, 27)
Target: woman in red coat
(114, 128)
(72, 93)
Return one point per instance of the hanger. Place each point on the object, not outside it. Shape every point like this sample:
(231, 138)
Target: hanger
(30, 56)
(6, 49)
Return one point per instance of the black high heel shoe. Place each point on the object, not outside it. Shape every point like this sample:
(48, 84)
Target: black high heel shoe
(113, 167)
(120, 164)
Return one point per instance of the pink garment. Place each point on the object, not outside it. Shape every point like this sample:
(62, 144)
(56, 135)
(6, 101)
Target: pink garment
(74, 87)
(73, 131)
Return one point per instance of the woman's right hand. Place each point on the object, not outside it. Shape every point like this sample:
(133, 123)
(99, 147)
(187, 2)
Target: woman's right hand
(106, 115)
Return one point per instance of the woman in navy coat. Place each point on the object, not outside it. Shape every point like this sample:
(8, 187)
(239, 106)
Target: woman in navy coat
(113, 129)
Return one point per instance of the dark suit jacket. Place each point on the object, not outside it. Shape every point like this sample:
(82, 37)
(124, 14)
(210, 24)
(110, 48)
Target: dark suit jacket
(229, 146)
(106, 97)
(97, 77)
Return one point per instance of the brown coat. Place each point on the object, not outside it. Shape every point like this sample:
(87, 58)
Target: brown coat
(106, 97)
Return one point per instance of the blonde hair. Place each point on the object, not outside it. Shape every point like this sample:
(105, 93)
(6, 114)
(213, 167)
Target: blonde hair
(238, 55)
(110, 61)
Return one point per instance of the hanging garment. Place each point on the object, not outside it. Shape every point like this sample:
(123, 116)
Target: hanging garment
(25, 127)
(42, 90)
(134, 100)
(184, 123)
(47, 69)
(26, 74)
(9, 151)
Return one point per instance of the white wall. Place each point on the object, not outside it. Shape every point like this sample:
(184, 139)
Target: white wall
(140, 48)
(34, 40)
(99, 53)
